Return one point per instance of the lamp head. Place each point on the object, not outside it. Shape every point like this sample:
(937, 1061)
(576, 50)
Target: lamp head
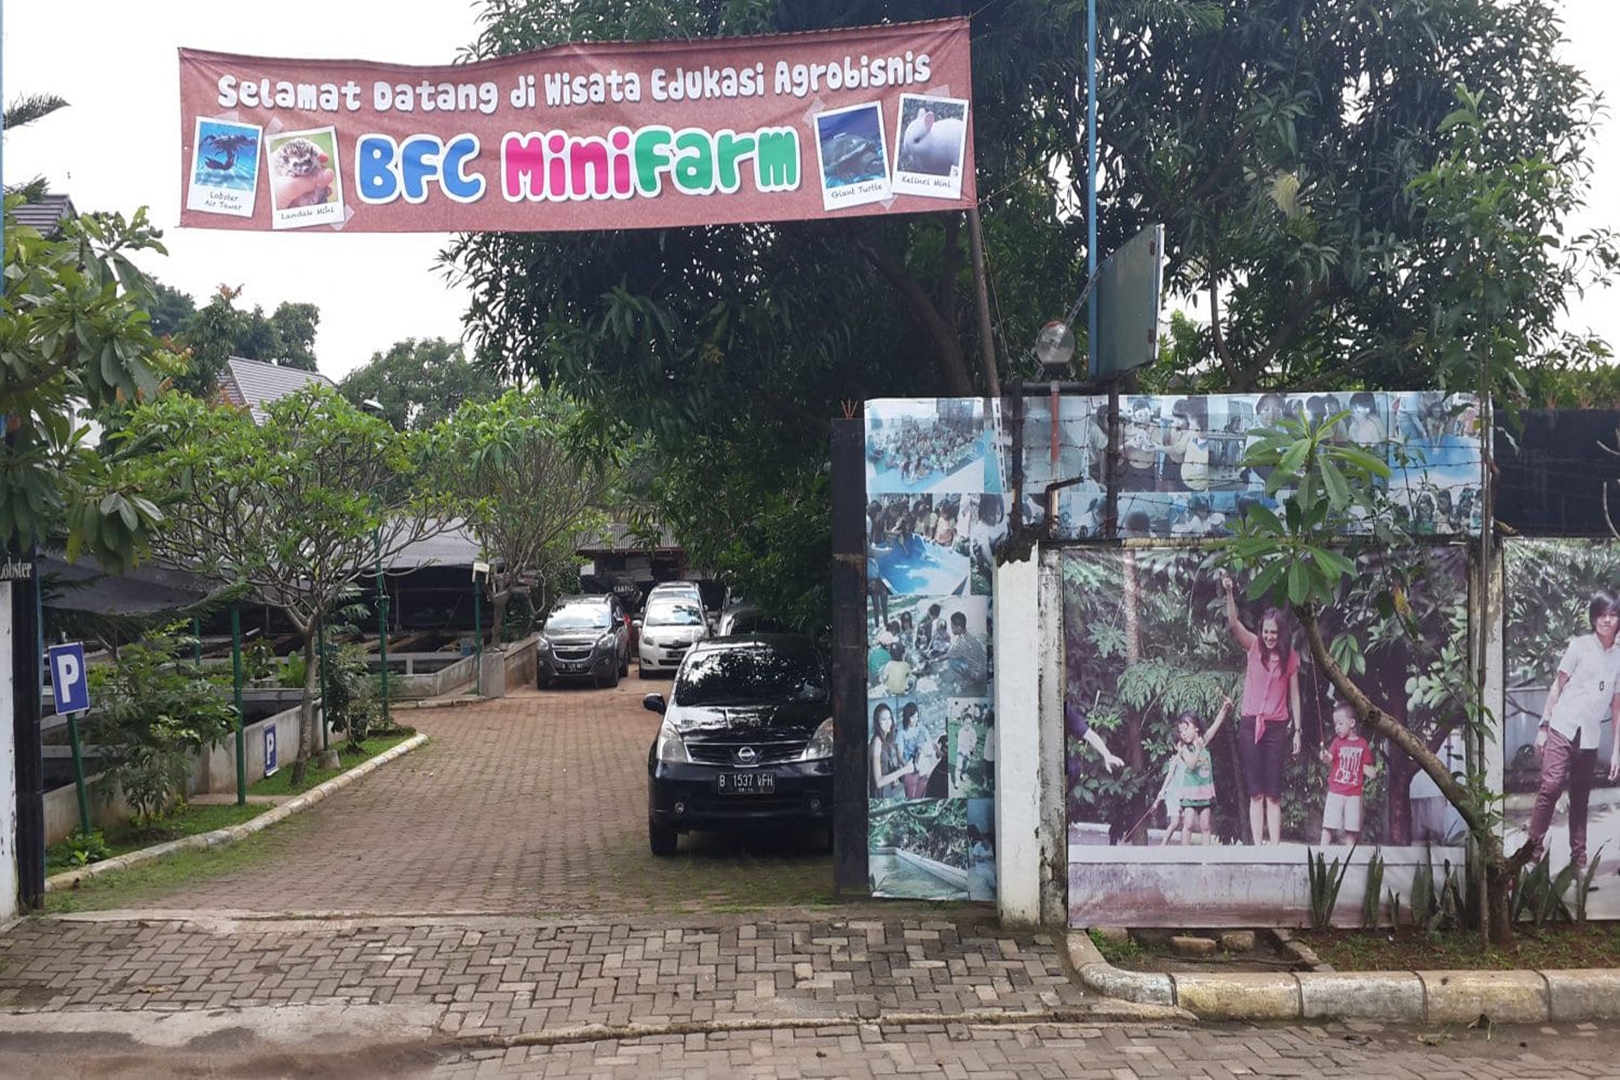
(1054, 347)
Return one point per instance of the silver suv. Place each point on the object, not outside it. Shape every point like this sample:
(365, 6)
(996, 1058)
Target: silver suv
(585, 638)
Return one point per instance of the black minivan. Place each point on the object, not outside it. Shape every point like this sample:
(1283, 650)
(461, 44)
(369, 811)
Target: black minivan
(747, 737)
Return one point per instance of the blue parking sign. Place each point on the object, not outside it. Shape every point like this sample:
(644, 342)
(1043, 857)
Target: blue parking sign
(270, 756)
(69, 685)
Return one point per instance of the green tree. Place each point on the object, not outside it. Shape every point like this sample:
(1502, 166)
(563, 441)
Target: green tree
(152, 714)
(517, 471)
(170, 309)
(419, 383)
(73, 329)
(219, 330)
(1281, 146)
(1301, 559)
(298, 510)
(1305, 165)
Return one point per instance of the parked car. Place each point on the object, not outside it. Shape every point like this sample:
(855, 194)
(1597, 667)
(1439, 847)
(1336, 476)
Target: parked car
(666, 629)
(684, 589)
(747, 737)
(746, 618)
(584, 638)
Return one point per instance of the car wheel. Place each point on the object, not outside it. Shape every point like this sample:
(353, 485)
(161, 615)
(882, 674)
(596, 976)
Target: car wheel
(624, 665)
(613, 678)
(661, 838)
(641, 670)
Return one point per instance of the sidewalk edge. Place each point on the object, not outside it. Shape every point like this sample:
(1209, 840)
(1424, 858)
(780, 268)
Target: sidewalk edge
(1571, 995)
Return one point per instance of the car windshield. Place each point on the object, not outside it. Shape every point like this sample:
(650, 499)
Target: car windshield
(673, 613)
(749, 676)
(578, 617)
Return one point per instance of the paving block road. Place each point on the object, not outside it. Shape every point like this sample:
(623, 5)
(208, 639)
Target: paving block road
(487, 905)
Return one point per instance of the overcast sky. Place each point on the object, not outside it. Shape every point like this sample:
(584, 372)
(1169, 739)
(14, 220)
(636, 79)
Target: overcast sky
(114, 149)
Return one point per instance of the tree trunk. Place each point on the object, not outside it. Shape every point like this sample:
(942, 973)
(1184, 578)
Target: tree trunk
(497, 614)
(306, 712)
(1501, 870)
(1134, 758)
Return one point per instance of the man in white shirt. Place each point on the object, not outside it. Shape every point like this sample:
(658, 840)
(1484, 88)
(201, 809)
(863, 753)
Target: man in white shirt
(1582, 694)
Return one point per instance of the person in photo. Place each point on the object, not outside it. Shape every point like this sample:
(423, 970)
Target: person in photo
(1079, 727)
(884, 757)
(897, 676)
(911, 745)
(1582, 694)
(1349, 759)
(1269, 714)
(966, 660)
(1195, 793)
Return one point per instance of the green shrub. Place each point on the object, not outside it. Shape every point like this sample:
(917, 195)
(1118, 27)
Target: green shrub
(152, 714)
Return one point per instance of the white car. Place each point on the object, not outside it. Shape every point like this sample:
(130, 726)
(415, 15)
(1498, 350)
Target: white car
(668, 627)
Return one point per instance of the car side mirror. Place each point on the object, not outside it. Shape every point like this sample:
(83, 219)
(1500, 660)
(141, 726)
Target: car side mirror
(654, 703)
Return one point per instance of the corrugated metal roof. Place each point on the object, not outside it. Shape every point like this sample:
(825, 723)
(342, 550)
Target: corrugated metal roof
(46, 214)
(253, 384)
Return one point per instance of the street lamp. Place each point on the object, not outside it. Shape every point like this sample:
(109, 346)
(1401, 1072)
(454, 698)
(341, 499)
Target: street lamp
(373, 406)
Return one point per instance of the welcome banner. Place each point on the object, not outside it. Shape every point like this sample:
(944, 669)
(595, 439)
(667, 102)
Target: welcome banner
(874, 120)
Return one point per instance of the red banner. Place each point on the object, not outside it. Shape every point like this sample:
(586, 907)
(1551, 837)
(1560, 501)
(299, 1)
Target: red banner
(874, 120)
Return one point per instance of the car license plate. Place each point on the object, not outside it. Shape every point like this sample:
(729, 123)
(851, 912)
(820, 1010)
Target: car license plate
(747, 783)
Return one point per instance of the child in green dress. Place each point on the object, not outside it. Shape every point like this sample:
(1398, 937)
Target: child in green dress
(1197, 788)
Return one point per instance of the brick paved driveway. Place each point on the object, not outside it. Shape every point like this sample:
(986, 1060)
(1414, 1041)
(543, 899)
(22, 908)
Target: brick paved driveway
(532, 804)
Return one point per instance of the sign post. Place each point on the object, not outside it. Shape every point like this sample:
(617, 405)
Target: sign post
(70, 689)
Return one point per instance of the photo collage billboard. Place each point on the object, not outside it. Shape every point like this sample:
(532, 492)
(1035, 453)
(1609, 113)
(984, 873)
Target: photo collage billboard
(935, 517)
(1206, 754)
(1561, 781)
(1180, 469)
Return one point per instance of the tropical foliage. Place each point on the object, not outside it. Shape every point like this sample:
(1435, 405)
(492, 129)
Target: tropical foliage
(529, 480)
(73, 330)
(418, 383)
(297, 510)
(153, 712)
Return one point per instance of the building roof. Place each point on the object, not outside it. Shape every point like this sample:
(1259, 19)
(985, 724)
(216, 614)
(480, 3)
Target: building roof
(149, 588)
(456, 546)
(45, 214)
(253, 385)
(618, 537)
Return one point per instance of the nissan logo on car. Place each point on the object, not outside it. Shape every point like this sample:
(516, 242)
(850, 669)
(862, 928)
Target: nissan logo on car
(747, 755)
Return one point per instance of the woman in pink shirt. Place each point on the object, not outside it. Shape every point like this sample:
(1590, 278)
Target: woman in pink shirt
(1268, 716)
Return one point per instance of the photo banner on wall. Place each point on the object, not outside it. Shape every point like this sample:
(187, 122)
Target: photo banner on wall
(935, 520)
(1206, 754)
(863, 121)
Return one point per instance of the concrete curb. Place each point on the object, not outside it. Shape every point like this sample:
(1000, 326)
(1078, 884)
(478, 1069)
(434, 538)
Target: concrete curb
(1432, 997)
(72, 879)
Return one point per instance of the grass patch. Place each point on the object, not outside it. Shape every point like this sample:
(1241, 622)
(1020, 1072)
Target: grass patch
(126, 836)
(191, 820)
(348, 757)
(166, 880)
(1118, 953)
(1564, 945)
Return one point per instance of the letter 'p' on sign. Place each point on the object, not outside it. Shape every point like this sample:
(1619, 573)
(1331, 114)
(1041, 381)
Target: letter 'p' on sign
(69, 686)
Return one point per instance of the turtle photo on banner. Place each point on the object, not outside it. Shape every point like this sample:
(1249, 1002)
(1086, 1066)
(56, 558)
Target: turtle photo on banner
(1207, 754)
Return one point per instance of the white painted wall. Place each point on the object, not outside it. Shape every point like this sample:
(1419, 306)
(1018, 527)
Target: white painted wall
(8, 765)
(1020, 671)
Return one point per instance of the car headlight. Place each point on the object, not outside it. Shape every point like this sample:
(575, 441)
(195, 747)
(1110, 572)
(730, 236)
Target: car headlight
(608, 641)
(543, 643)
(671, 747)
(820, 746)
